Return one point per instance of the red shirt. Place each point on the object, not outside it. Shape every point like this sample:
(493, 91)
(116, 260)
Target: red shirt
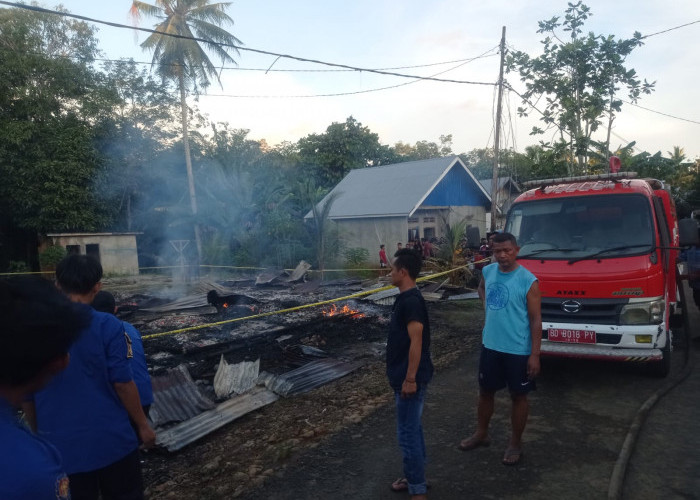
(382, 256)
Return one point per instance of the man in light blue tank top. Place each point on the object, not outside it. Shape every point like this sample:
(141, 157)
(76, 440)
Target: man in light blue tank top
(512, 335)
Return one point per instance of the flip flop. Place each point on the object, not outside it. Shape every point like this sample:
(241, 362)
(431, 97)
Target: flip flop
(512, 456)
(401, 484)
(472, 443)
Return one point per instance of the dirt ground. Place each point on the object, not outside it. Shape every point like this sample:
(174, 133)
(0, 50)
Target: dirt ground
(237, 460)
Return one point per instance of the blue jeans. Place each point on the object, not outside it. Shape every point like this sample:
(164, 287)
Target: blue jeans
(409, 431)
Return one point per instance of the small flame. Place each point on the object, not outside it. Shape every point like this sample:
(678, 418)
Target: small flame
(342, 311)
(225, 305)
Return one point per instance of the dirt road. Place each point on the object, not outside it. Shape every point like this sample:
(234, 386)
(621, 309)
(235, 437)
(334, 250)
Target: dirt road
(580, 416)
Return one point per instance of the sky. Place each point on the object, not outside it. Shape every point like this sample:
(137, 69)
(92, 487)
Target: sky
(399, 33)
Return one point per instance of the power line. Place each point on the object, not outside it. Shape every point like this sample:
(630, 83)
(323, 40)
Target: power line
(339, 94)
(236, 47)
(660, 113)
(150, 63)
(671, 29)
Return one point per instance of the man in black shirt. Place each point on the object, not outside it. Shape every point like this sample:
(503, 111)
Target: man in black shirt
(409, 369)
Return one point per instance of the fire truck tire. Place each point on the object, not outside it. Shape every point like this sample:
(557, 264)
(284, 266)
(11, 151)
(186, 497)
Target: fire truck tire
(661, 369)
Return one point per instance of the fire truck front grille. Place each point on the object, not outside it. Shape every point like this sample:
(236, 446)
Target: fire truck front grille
(582, 311)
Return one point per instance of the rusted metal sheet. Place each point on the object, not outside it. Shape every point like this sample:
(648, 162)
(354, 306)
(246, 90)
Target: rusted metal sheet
(189, 431)
(307, 377)
(176, 397)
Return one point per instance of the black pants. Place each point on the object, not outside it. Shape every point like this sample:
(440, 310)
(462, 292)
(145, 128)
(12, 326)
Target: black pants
(118, 481)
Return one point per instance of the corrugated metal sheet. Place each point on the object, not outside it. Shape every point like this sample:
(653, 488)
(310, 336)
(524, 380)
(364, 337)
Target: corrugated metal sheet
(307, 377)
(393, 190)
(189, 431)
(176, 397)
(236, 378)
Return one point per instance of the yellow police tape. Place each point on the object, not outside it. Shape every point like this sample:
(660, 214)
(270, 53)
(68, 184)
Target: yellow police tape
(26, 272)
(305, 306)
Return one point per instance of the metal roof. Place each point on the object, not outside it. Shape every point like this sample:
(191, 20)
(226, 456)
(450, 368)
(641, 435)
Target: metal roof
(395, 190)
(176, 397)
(307, 377)
(502, 181)
(186, 432)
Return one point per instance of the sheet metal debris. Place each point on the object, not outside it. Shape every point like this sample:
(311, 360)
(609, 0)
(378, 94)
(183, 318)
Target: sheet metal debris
(237, 378)
(307, 377)
(464, 296)
(299, 272)
(384, 298)
(187, 432)
(176, 397)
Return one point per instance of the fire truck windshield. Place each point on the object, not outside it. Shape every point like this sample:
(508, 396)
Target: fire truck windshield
(577, 227)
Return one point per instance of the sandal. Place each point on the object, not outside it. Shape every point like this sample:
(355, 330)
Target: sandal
(401, 484)
(512, 456)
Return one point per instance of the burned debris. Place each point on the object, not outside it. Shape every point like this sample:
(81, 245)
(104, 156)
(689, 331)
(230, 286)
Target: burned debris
(243, 355)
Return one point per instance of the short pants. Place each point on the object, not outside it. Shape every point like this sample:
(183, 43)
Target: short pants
(500, 369)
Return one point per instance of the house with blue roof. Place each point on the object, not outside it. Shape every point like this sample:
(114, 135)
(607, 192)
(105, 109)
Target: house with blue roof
(397, 203)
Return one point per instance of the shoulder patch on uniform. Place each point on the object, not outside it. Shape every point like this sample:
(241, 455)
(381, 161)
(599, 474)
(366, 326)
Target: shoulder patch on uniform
(129, 349)
(62, 488)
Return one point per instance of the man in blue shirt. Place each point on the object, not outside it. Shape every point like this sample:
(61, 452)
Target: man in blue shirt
(510, 354)
(409, 369)
(104, 302)
(85, 411)
(38, 326)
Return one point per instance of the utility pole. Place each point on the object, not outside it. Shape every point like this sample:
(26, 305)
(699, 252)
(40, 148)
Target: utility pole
(497, 135)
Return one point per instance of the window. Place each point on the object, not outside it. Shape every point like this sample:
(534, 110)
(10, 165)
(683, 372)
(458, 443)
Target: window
(73, 249)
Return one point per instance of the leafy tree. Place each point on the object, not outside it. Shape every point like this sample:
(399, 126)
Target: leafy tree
(139, 131)
(423, 150)
(184, 60)
(51, 103)
(328, 157)
(577, 80)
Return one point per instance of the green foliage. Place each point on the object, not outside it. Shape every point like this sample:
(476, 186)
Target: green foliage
(328, 157)
(51, 256)
(51, 107)
(577, 80)
(356, 257)
(17, 266)
(422, 150)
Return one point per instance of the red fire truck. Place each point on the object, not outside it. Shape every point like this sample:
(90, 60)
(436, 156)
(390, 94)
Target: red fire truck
(604, 249)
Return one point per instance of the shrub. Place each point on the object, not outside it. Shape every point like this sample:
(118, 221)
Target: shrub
(51, 256)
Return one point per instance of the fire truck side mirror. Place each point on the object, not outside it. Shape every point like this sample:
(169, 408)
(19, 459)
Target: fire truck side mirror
(688, 232)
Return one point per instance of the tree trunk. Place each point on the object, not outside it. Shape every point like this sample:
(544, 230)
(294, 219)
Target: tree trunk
(188, 164)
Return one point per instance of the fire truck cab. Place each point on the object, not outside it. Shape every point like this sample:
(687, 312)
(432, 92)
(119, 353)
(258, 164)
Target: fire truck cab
(604, 249)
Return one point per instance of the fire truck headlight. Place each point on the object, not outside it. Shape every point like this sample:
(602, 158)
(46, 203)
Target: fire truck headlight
(643, 313)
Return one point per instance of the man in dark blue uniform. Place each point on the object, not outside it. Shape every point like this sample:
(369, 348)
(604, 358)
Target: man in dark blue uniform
(38, 326)
(85, 411)
(104, 302)
(409, 369)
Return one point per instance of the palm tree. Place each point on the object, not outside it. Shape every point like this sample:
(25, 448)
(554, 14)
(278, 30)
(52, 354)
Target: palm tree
(184, 60)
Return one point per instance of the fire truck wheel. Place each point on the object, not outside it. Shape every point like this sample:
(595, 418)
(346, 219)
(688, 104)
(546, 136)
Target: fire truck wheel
(661, 368)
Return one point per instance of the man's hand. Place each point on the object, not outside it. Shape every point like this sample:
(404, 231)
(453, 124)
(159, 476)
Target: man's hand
(408, 389)
(147, 436)
(533, 366)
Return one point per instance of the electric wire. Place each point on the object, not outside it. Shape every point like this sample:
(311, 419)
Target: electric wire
(233, 68)
(662, 113)
(339, 94)
(670, 29)
(236, 47)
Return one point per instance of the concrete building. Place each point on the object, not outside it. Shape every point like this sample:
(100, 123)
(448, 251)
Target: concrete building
(403, 201)
(116, 251)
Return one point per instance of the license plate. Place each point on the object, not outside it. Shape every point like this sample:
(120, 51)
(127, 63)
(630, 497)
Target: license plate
(572, 336)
